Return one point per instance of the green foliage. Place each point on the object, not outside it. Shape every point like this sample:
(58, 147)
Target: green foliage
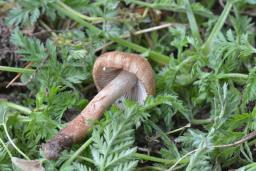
(205, 83)
(113, 149)
(28, 12)
(80, 167)
(71, 70)
(229, 51)
(204, 163)
(249, 167)
(170, 100)
(180, 40)
(77, 167)
(32, 49)
(250, 89)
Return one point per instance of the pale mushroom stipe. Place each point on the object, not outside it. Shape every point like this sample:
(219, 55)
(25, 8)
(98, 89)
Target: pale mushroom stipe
(117, 75)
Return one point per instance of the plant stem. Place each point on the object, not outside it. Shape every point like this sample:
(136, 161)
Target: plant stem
(18, 75)
(18, 70)
(232, 75)
(79, 151)
(154, 28)
(136, 155)
(167, 7)
(66, 7)
(239, 142)
(13, 144)
(151, 158)
(201, 121)
(156, 159)
(144, 4)
(217, 27)
(184, 62)
(181, 64)
(179, 129)
(147, 30)
(253, 142)
(24, 118)
(192, 22)
(20, 108)
(86, 159)
(181, 159)
(6, 148)
(48, 28)
(150, 168)
(155, 56)
(193, 159)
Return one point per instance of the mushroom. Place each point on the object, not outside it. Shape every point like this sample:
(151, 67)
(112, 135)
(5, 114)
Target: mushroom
(117, 75)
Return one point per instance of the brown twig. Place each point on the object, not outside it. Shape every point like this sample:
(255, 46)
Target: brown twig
(18, 75)
(221, 3)
(30, 63)
(241, 141)
(155, 28)
(18, 84)
(34, 73)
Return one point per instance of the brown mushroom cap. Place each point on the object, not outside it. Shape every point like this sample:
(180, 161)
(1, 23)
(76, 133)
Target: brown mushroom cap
(110, 64)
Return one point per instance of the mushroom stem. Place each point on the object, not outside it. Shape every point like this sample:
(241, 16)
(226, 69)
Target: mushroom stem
(77, 129)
